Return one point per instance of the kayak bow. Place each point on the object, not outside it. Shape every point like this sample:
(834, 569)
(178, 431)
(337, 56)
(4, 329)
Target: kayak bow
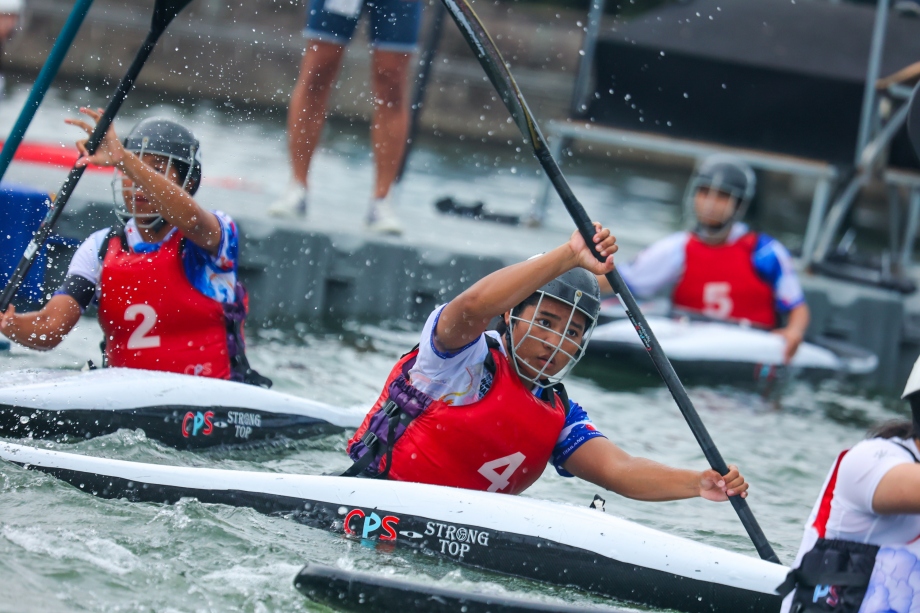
(178, 410)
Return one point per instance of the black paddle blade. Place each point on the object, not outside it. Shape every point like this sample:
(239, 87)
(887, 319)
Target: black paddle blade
(913, 120)
(164, 11)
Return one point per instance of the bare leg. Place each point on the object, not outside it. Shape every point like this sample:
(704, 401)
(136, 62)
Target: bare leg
(307, 111)
(391, 115)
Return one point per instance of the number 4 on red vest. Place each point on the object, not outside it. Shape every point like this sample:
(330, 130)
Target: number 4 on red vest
(501, 480)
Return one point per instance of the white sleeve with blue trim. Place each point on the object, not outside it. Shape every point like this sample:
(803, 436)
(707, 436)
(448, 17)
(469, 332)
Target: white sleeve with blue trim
(773, 263)
(657, 267)
(456, 378)
(577, 431)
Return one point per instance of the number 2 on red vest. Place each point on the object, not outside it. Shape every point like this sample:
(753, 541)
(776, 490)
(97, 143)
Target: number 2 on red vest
(501, 480)
(717, 299)
(139, 338)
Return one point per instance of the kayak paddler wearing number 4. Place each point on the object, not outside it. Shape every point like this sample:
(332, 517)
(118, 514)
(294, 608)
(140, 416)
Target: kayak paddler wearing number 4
(861, 547)
(486, 410)
(164, 278)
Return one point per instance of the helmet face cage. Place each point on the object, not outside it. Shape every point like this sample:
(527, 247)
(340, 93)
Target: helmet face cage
(561, 346)
(124, 190)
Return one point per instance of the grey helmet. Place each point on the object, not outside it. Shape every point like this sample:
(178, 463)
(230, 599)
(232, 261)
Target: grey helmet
(727, 174)
(576, 288)
(160, 136)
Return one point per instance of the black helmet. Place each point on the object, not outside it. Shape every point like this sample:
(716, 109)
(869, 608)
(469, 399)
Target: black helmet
(167, 138)
(576, 288)
(579, 288)
(727, 174)
(164, 137)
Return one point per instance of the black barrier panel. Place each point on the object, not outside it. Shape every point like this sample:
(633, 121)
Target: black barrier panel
(771, 75)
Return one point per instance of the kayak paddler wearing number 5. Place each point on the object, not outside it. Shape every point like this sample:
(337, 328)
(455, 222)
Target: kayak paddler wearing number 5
(721, 268)
(164, 278)
(485, 409)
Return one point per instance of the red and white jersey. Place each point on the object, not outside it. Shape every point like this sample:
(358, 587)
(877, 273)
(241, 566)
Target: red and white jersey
(844, 511)
(154, 319)
(663, 265)
(844, 508)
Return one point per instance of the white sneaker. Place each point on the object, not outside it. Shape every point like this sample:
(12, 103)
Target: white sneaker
(292, 203)
(382, 219)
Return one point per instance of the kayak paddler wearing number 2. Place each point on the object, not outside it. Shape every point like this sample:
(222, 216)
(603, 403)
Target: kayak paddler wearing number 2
(486, 409)
(164, 277)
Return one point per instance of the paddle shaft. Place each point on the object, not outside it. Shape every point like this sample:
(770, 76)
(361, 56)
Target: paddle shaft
(43, 82)
(426, 59)
(494, 65)
(47, 224)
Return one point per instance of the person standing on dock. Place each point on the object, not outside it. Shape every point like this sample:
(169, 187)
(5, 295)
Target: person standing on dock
(485, 409)
(861, 547)
(9, 20)
(394, 33)
(722, 269)
(166, 281)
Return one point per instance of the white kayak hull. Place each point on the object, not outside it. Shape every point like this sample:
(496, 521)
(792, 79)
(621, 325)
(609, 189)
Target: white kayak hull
(540, 540)
(732, 348)
(179, 410)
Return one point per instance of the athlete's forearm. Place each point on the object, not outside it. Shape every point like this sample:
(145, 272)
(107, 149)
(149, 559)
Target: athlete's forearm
(467, 316)
(44, 329)
(173, 203)
(799, 317)
(644, 479)
(601, 462)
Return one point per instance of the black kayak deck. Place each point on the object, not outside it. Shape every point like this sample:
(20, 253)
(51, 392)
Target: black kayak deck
(348, 590)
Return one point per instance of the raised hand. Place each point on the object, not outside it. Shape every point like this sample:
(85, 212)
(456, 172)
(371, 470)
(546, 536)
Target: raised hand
(110, 151)
(606, 245)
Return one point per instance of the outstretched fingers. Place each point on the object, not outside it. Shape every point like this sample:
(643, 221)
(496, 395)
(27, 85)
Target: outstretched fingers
(109, 151)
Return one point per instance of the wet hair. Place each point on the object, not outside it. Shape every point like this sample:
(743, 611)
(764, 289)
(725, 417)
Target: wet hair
(895, 428)
(901, 428)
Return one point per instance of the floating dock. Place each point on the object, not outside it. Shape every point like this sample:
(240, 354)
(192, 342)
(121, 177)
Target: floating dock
(328, 266)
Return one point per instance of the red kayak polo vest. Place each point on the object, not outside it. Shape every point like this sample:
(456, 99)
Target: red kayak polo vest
(500, 443)
(154, 318)
(720, 281)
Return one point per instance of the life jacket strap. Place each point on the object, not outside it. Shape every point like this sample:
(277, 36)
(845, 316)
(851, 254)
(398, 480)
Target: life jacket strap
(395, 416)
(845, 566)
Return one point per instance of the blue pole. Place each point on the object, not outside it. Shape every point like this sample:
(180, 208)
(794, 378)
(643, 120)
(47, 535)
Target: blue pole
(43, 82)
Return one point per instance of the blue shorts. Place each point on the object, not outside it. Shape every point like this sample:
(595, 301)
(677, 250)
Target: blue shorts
(394, 24)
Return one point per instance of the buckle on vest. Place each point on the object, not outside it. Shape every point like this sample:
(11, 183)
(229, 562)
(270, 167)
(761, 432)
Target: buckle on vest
(370, 440)
(390, 408)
